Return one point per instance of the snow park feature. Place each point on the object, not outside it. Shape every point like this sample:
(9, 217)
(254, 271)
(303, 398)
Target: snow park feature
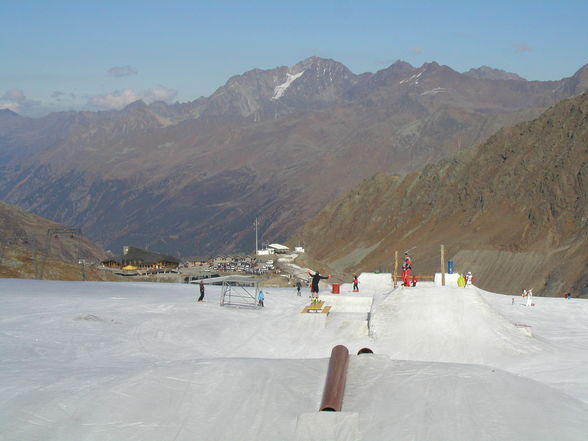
(336, 377)
(89, 361)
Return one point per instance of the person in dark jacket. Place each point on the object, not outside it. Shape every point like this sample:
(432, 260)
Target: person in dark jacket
(201, 298)
(298, 286)
(314, 284)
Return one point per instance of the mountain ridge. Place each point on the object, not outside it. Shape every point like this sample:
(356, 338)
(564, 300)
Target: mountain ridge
(149, 174)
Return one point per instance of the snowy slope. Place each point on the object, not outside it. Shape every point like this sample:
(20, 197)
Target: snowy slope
(140, 361)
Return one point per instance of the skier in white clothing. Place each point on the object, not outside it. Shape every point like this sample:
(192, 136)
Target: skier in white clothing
(530, 297)
(469, 279)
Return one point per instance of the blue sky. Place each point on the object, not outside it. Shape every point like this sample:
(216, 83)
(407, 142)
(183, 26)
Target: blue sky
(90, 54)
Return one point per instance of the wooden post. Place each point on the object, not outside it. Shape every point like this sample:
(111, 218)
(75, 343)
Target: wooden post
(395, 267)
(442, 265)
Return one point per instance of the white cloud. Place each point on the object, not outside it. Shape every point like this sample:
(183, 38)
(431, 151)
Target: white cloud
(122, 71)
(16, 101)
(121, 98)
(10, 105)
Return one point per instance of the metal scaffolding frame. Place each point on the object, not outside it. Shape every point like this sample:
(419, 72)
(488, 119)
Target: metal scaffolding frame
(239, 291)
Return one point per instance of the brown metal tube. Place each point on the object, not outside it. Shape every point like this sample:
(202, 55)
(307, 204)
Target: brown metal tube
(335, 382)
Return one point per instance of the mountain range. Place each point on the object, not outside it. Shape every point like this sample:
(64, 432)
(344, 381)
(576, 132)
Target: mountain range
(513, 210)
(277, 145)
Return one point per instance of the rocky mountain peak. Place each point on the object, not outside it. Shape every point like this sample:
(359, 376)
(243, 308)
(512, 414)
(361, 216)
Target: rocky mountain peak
(7, 113)
(489, 73)
(581, 77)
(400, 64)
(135, 105)
(317, 63)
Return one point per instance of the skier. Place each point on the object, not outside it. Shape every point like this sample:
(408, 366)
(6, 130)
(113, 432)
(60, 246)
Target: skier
(298, 286)
(260, 298)
(406, 267)
(201, 298)
(314, 285)
(530, 297)
(469, 279)
(355, 283)
(461, 281)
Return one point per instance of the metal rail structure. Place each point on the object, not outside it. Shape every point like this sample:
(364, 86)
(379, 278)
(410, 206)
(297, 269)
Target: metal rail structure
(240, 291)
(332, 400)
(56, 233)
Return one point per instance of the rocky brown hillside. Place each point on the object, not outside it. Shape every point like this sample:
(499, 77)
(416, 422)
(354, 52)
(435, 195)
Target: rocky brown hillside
(513, 210)
(275, 144)
(27, 250)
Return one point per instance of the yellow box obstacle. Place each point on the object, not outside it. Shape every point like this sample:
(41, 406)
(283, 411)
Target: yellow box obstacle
(317, 307)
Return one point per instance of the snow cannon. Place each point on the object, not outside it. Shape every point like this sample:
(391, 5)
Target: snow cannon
(336, 377)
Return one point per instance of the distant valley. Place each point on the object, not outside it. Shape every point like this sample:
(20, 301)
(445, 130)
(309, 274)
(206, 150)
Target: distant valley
(190, 178)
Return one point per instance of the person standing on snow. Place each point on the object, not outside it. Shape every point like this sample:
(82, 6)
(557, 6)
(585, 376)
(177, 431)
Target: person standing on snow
(461, 281)
(260, 298)
(355, 283)
(406, 267)
(530, 297)
(469, 279)
(314, 285)
(201, 298)
(298, 286)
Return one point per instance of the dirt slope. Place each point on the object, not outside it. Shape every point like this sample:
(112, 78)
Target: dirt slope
(513, 210)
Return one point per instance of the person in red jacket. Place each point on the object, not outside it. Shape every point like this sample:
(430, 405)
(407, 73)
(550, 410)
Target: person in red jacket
(406, 268)
(355, 283)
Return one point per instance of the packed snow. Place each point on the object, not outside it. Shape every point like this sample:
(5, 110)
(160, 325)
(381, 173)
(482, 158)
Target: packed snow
(280, 89)
(435, 91)
(414, 78)
(145, 361)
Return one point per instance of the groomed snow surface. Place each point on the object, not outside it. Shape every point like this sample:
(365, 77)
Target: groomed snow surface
(144, 361)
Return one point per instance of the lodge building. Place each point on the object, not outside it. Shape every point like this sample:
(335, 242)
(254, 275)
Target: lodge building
(137, 258)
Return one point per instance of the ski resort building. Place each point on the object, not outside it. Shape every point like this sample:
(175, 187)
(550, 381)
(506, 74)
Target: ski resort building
(278, 248)
(138, 258)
